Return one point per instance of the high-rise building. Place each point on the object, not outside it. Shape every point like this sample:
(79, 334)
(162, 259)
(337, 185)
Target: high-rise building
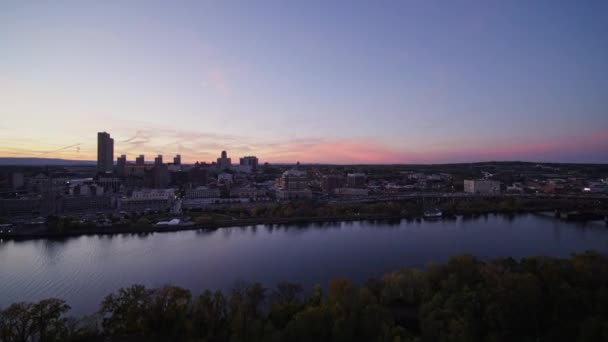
(158, 160)
(250, 161)
(177, 160)
(105, 152)
(224, 163)
(140, 160)
(121, 165)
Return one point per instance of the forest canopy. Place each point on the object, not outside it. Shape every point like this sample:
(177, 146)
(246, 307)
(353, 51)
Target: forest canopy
(465, 299)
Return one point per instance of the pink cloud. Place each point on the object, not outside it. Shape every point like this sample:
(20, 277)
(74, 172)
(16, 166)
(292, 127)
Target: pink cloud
(574, 148)
(352, 151)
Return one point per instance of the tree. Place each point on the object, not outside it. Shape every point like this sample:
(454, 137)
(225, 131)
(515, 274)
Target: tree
(124, 313)
(48, 321)
(42, 321)
(210, 316)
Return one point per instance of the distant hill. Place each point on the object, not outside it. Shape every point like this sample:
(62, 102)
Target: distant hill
(43, 161)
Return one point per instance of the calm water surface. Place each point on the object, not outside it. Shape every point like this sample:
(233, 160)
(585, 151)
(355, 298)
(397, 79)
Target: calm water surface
(83, 270)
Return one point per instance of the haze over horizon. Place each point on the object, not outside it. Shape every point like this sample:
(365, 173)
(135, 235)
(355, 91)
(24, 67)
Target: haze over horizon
(312, 81)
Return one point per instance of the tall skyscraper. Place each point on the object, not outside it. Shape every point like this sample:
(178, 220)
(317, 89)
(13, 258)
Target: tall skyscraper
(158, 160)
(140, 160)
(177, 160)
(121, 165)
(105, 152)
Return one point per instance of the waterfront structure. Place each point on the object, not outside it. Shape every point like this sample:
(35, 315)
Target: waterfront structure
(223, 162)
(147, 199)
(356, 180)
(105, 152)
(140, 160)
(484, 186)
(250, 162)
(87, 203)
(144, 204)
(21, 206)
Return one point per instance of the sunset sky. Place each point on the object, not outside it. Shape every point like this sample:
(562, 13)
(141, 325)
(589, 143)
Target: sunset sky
(331, 81)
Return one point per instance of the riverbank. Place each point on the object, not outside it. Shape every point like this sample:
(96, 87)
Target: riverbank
(137, 229)
(134, 229)
(294, 213)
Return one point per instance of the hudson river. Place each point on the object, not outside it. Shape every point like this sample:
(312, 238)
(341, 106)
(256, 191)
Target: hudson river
(82, 270)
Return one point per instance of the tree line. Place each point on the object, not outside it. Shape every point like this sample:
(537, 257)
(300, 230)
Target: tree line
(465, 299)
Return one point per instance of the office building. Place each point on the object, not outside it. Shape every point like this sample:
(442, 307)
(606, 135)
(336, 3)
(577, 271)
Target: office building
(177, 160)
(140, 160)
(223, 162)
(158, 160)
(293, 184)
(157, 177)
(105, 152)
(250, 162)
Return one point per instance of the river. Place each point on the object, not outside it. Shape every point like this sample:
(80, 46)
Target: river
(82, 270)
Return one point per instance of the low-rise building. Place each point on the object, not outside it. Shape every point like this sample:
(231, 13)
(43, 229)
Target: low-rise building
(351, 192)
(86, 203)
(486, 187)
(202, 192)
(154, 194)
(293, 194)
(21, 206)
(331, 182)
(293, 184)
(247, 193)
(356, 180)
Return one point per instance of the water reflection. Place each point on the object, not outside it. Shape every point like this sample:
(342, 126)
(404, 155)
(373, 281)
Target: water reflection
(84, 269)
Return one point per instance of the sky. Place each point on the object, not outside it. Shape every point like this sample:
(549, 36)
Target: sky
(330, 81)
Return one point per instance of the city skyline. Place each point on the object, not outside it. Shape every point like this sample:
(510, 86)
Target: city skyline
(315, 82)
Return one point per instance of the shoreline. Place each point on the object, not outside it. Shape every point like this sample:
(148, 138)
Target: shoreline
(132, 229)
